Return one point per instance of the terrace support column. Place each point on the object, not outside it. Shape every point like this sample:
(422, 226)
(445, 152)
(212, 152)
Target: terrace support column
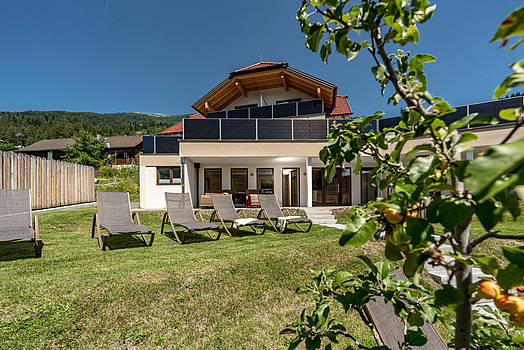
(309, 182)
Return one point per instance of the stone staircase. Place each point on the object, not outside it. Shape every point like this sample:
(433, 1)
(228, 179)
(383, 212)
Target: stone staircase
(320, 216)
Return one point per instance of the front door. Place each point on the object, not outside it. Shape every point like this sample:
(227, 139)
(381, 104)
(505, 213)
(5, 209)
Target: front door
(239, 186)
(368, 191)
(336, 193)
(290, 187)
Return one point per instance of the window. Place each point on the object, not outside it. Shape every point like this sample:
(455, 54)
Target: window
(212, 180)
(265, 180)
(125, 155)
(289, 101)
(246, 106)
(168, 176)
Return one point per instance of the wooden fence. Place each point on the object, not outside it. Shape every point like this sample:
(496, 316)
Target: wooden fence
(52, 183)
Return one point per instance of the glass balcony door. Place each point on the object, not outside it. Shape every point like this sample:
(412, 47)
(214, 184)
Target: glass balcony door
(290, 187)
(336, 193)
(239, 186)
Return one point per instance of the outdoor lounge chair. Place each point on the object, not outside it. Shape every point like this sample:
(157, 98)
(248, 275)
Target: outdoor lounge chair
(390, 327)
(180, 213)
(270, 210)
(225, 211)
(114, 215)
(16, 219)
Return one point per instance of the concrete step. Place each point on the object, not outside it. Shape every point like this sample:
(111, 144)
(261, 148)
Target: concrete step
(318, 212)
(321, 216)
(324, 221)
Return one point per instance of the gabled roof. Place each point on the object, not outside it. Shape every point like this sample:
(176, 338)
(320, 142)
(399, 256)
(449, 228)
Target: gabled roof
(261, 76)
(61, 144)
(341, 107)
(49, 145)
(178, 128)
(259, 66)
(122, 141)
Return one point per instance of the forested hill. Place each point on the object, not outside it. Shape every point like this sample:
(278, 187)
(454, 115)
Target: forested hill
(31, 126)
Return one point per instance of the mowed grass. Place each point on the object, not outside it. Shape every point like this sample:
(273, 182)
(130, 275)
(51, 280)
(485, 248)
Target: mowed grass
(235, 293)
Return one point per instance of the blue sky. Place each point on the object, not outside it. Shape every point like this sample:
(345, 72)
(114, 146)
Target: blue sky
(162, 55)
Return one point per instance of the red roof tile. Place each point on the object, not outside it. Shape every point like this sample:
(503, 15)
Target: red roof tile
(341, 106)
(178, 128)
(259, 65)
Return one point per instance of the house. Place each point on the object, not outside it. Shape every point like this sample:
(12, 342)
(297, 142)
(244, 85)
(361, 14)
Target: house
(263, 129)
(178, 128)
(123, 149)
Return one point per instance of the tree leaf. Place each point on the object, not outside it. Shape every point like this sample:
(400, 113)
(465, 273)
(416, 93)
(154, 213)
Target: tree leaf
(498, 161)
(419, 230)
(449, 296)
(452, 212)
(514, 255)
(415, 337)
(512, 81)
(422, 167)
(511, 276)
(512, 25)
(392, 252)
(360, 237)
(488, 214)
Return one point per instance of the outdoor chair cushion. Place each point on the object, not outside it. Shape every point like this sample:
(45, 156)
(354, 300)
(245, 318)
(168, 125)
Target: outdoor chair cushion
(16, 234)
(247, 222)
(125, 228)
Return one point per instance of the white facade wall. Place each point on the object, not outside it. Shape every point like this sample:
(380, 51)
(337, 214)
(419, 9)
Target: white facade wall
(152, 195)
(269, 96)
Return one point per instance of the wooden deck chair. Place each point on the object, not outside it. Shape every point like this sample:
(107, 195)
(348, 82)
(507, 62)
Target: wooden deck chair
(390, 327)
(16, 219)
(114, 216)
(270, 210)
(225, 211)
(180, 213)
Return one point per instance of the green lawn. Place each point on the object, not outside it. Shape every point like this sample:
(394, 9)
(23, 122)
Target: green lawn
(235, 293)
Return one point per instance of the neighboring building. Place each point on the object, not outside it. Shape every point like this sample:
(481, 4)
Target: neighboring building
(263, 129)
(123, 149)
(178, 128)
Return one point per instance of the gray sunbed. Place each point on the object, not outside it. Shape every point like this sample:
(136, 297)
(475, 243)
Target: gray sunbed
(16, 219)
(114, 216)
(225, 211)
(270, 210)
(180, 213)
(390, 327)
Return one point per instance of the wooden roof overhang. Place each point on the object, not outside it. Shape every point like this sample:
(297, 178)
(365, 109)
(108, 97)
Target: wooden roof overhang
(239, 83)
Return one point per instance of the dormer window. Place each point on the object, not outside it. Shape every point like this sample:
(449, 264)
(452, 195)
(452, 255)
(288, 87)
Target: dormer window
(289, 101)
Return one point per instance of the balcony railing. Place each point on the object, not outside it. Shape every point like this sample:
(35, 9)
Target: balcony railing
(289, 129)
(281, 110)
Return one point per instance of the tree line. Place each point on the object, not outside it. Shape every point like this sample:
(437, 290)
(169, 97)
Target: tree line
(25, 128)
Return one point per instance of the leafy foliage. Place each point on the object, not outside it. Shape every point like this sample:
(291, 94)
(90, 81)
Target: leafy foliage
(31, 126)
(86, 150)
(431, 178)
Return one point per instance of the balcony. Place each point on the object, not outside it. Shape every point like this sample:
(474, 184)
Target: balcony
(281, 110)
(290, 129)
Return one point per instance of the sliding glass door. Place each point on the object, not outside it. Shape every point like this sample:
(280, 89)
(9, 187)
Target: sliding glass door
(336, 193)
(239, 186)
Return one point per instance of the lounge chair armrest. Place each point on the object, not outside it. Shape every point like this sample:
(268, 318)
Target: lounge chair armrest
(36, 227)
(137, 217)
(199, 212)
(242, 212)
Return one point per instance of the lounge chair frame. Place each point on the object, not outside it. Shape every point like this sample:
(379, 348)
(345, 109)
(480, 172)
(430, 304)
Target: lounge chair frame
(386, 324)
(263, 214)
(33, 225)
(168, 219)
(102, 239)
(217, 215)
